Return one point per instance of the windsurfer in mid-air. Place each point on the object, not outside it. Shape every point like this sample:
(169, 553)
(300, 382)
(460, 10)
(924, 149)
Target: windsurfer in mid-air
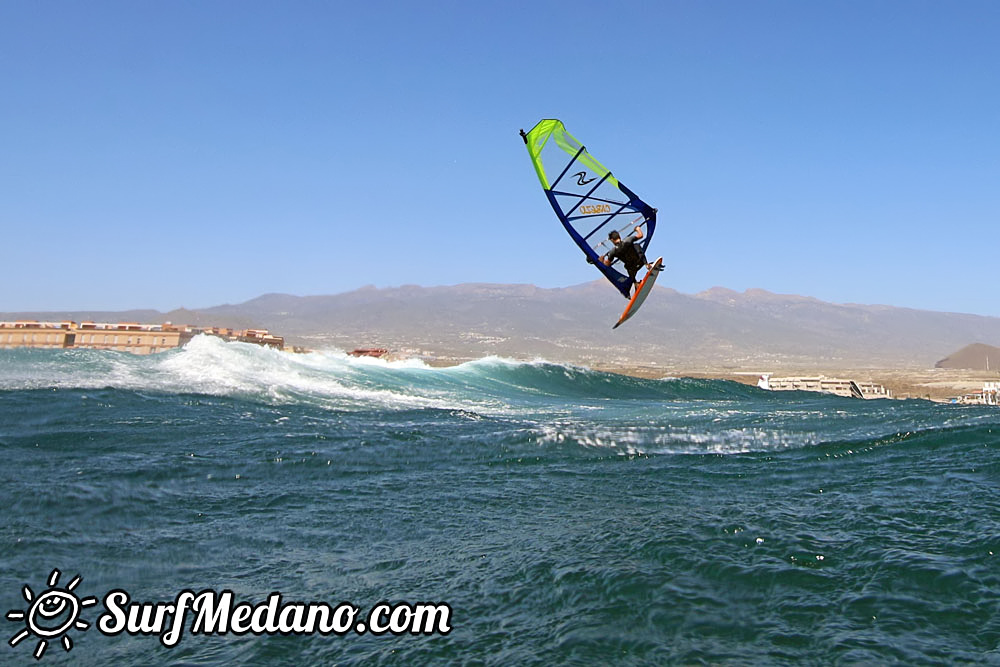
(629, 252)
(589, 202)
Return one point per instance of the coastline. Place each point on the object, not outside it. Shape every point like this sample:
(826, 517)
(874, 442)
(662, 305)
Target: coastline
(934, 384)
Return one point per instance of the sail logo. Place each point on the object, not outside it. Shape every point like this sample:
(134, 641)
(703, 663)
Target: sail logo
(595, 209)
(580, 175)
(51, 615)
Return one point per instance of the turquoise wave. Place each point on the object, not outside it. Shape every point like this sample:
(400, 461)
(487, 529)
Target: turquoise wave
(211, 366)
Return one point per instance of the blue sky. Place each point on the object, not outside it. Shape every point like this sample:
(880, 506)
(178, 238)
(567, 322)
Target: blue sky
(167, 154)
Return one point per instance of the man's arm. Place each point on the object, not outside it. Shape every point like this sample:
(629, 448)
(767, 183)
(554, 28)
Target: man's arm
(609, 256)
(633, 237)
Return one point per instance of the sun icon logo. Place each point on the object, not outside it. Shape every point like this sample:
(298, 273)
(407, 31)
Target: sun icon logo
(51, 614)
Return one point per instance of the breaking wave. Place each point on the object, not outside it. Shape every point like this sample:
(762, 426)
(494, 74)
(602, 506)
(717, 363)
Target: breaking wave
(540, 402)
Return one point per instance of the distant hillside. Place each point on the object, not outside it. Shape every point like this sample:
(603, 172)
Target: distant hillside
(717, 329)
(978, 356)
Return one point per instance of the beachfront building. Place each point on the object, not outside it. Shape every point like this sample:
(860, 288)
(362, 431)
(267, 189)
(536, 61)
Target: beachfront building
(990, 395)
(826, 385)
(36, 334)
(124, 336)
(131, 337)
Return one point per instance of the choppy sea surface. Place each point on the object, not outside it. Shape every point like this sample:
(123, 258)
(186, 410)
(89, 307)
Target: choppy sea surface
(566, 516)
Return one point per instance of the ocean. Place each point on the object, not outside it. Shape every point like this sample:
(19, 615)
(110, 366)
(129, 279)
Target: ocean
(551, 514)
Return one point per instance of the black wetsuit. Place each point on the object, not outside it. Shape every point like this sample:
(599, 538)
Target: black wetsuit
(631, 255)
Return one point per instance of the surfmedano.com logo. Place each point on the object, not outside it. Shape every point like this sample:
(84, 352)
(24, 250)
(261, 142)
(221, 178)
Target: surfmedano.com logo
(52, 614)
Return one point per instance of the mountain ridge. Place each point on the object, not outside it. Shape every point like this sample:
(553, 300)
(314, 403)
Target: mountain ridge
(719, 327)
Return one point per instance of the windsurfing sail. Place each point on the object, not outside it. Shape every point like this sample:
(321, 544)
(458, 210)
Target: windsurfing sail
(588, 199)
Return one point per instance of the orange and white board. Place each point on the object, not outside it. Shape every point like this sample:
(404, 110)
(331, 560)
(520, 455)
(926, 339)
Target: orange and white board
(645, 286)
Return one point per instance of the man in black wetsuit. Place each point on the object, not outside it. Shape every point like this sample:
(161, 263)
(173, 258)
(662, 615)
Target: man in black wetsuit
(628, 251)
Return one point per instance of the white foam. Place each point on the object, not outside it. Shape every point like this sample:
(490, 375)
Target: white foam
(209, 365)
(378, 362)
(665, 439)
(329, 378)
